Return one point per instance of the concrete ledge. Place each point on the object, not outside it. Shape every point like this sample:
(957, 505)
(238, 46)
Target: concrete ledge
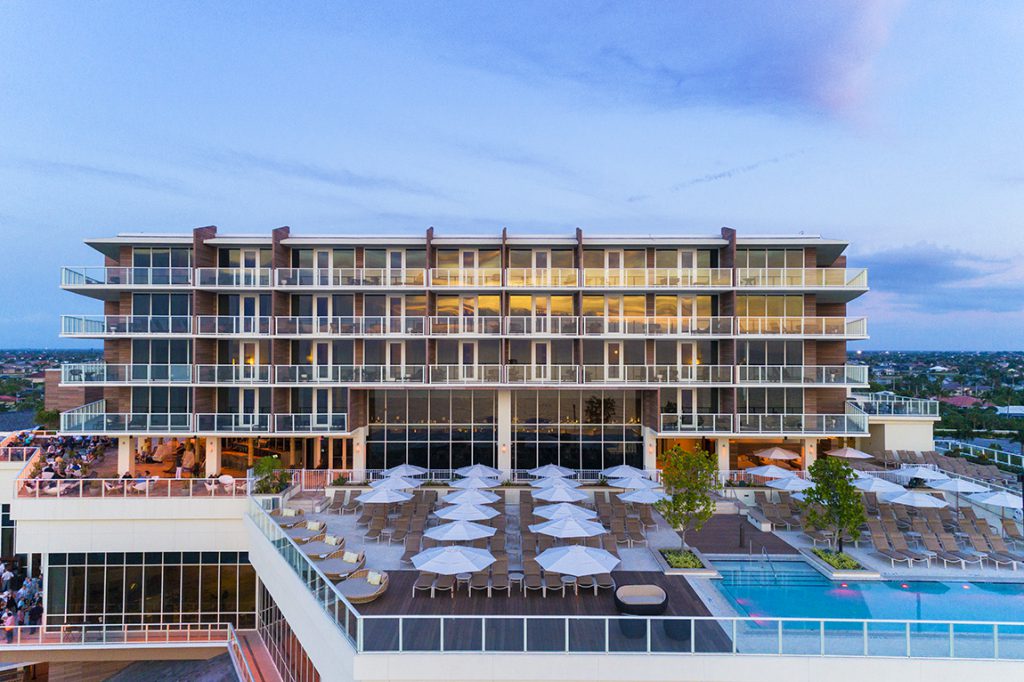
(835, 573)
(709, 570)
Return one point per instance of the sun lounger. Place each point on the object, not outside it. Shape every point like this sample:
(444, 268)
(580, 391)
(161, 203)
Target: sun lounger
(479, 581)
(341, 564)
(364, 586)
(931, 543)
(444, 583)
(424, 583)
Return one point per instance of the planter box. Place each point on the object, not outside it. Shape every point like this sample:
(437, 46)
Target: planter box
(836, 573)
(709, 571)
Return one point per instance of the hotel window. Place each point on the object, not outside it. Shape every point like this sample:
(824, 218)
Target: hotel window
(770, 400)
(244, 305)
(769, 306)
(286, 651)
(151, 587)
(161, 400)
(770, 353)
(156, 265)
(162, 305)
(324, 258)
(436, 429)
(249, 257)
(674, 258)
(161, 351)
(769, 258)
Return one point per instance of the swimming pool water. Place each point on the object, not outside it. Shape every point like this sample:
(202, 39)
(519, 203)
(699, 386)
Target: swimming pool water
(795, 589)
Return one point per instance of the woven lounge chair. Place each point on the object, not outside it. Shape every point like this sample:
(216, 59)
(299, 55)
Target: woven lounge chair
(364, 586)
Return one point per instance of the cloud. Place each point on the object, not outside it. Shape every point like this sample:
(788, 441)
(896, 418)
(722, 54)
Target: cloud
(53, 168)
(933, 279)
(732, 172)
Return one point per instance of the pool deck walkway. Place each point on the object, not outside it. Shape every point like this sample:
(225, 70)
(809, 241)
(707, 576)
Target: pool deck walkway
(721, 535)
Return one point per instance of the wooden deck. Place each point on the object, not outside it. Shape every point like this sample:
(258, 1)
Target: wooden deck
(721, 535)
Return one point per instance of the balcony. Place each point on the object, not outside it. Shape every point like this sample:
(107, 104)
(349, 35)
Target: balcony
(541, 325)
(825, 327)
(657, 374)
(93, 419)
(475, 278)
(233, 422)
(888, 404)
(543, 374)
(230, 325)
(234, 278)
(85, 277)
(108, 326)
(454, 325)
(465, 374)
(802, 278)
(696, 423)
(101, 373)
(342, 278)
(349, 374)
(542, 278)
(825, 375)
(242, 374)
(657, 278)
(310, 325)
(850, 424)
(310, 423)
(657, 326)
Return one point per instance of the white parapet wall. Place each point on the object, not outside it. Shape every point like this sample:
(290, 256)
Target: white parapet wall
(899, 433)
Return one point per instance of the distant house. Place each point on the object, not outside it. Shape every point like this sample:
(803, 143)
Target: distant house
(965, 401)
(1011, 411)
(8, 399)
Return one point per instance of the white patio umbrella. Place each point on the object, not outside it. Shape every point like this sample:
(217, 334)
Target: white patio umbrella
(564, 510)
(395, 483)
(466, 512)
(452, 560)
(643, 496)
(475, 483)
(769, 471)
(634, 483)
(560, 495)
(569, 528)
(924, 473)
(478, 470)
(405, 470)
(623, 471)
(999, 498)
(555, 482)
(457, 531)
(792, 484)
(800, 497)
(849, 453)
(876, 485)
(911, 498)
(550, 470)
(383, 496)
(577, 560)
(959, 486)
(470, 497)
(777, 453)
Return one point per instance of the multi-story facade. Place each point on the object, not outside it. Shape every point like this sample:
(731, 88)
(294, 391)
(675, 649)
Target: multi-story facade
(363, 352)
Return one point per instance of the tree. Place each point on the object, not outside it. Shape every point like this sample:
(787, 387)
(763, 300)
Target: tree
(689, 480)
(270, 478)
(834, 503)
(48, 418)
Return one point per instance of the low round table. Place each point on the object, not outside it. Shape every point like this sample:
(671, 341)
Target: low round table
(463, 579)
(568, 580)
(517, 578)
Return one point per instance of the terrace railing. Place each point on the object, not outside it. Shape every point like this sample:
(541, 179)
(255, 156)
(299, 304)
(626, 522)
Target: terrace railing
(841, 327)
(801, 278)
(104, 373)
(657, 278)
(1010, 459)
(17, 453)
(55, 636)
(99, 276)
(802, 374)
(137, 488)
(700, 422)
(93, 326)
(350, 277)
(887, 404)
(234, 278)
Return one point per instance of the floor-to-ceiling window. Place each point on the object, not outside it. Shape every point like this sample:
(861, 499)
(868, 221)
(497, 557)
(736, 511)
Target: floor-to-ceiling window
(290, 658)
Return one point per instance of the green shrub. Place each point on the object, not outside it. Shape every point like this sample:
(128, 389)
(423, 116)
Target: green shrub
(839, 560)
(341, 480)
(681, 558)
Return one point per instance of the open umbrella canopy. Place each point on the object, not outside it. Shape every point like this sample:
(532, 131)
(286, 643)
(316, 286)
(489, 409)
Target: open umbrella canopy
(475, 483)
(924, 473)
(769, 471)
(383, 496)
(777, 454)
(457, 531)
(792, 484)
(557, 494)
(910, 498)
(470, 497)
(849, 453)
(405, 470)
(643, 496)
(549, 470)
(466, 512)
(623, 471)
(478, 470)
(997, 499)
(564, 510)
(876, 485)
(452, 560)
(634, 483)
(577, 560)
(395, 483)
(569, 528)
(555, 482)
(959, 486)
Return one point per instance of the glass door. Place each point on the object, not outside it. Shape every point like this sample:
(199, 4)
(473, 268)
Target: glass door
(541, 361)
(321, 417)
(467, 357)
(396, 361)
(541, 314)
(613, 360)
(396, 314)
(250, 267)
(249, 360)
(396, 267)
(248, 311)
(322, 361)
(248, 408)
(615, 274)
(322, 263)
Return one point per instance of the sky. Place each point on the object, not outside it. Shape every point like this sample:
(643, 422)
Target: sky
(893, 125)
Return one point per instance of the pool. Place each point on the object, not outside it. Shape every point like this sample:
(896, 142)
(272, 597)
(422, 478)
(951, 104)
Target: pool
(793, 589)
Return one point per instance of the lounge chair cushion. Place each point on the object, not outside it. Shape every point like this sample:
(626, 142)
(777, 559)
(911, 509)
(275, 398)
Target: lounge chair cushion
(332, 540)
(289, 512)
(313, 525)
(349, 557)
(373, 578)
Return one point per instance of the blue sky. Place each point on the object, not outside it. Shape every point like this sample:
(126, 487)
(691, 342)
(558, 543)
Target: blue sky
(894, 125)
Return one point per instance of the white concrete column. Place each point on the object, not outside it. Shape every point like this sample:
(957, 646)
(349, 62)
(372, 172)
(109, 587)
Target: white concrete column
(650, 449)
(722, 448)
(125, 456)
(505, 431)
(212, 455)
(359, 454)
(810, 452)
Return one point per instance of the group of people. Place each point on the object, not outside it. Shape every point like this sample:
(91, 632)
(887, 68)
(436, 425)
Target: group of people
(71, 456)
(21, 601)
(179, 457)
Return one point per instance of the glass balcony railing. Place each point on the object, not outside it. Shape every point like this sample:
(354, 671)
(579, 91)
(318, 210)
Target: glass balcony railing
(103, 373)
(802, 326)
(234, 278)
(98, 326)
(233, 422)
(84, 276)
(243, 374)
(657, 374)
(93, 419)
(230, 325)
(803, 374)
(350, 277)
(657, 326)
(826, 424)
(543, 374)
(657, 278)
(459, 277)
(542, 278)
(699, 422)
(310, 423)
(460, 325)
(895, 405)
(555, 325)
(801, 278)
(465, 374)
(349, 374)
